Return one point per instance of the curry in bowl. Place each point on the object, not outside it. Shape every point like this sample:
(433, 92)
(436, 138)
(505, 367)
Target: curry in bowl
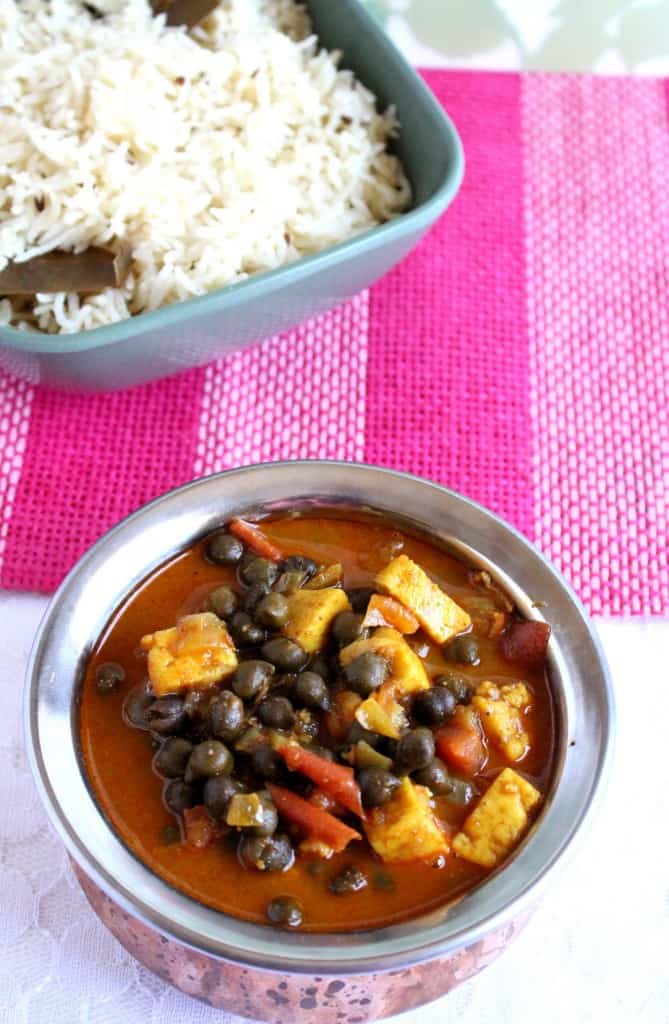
(319, 723)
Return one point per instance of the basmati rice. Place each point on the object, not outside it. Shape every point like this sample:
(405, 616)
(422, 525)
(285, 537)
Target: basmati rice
(234, 148)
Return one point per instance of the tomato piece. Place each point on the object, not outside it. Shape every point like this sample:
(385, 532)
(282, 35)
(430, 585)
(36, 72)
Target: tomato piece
(383, 610)
(337, 780)
(526, 643)
(313, 820)
(460, 745)
(200, 828)
(254, 539)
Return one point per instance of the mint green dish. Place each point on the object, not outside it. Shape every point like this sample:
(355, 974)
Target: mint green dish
(194, 332)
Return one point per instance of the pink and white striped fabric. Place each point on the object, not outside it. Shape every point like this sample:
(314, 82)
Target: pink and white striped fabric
(520, 355)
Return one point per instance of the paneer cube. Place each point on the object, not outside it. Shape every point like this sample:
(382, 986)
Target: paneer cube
(197, 651)
(499, 820)
(516, 695)
(405, 828)
(381, 712)
(438, 614)
(310, 615)
(501, 709)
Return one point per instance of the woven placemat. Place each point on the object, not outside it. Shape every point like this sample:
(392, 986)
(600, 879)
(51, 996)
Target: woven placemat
(519, 355)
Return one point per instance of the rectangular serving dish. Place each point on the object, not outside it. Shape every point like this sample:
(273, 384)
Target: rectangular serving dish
(193, 332)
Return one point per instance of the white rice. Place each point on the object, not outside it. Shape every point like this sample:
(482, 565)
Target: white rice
(235, 148)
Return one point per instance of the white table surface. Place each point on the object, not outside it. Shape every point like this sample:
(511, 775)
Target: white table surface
(605, 36)
(596, 950)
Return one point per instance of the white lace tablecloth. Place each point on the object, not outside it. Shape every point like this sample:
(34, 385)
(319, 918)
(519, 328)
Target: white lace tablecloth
(596, 950)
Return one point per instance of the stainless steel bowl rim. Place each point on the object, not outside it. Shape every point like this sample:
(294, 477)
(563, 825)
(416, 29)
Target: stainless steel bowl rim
(124, 556)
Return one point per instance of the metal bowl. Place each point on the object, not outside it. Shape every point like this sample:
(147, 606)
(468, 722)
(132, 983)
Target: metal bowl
(255, 970)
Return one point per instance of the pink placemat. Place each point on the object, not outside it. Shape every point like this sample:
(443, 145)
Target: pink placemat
(520, 355)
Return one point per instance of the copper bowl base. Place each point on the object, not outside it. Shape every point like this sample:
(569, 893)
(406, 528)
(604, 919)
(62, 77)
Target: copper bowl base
(294, 998)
